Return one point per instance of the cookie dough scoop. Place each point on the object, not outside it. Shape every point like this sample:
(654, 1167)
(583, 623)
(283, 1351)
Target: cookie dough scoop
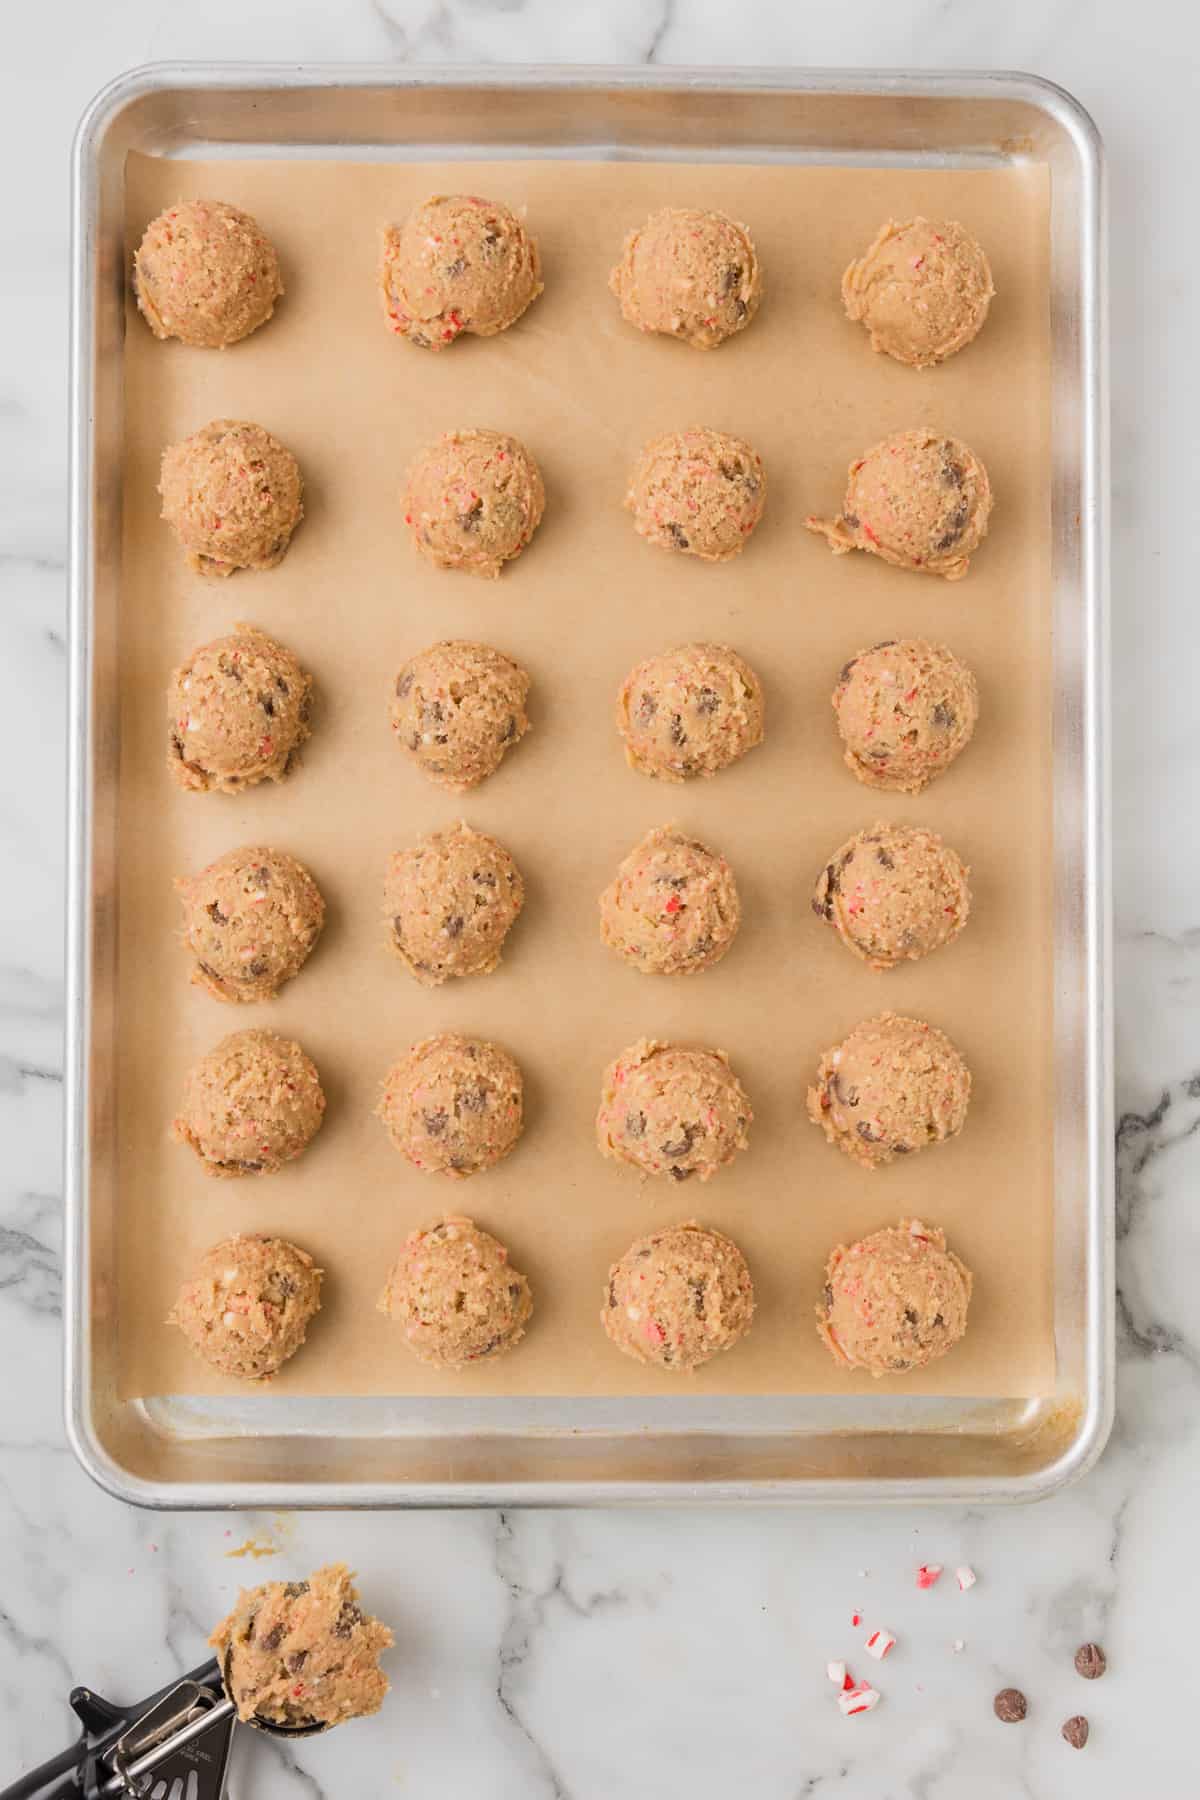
(456, 1296)
(678, 1297)
(922, 290)
(690, 275)
(454, 1105)
(691, 711)
(238, 711)
(699, 491)
(890, 1089)
(251, 1105)
(905, 710)
(451, 901)
(233, 496)
(895, 1300)
(473, 500)
(894, 894)
(919, 500)
(670, 1110)
(206, 273)
(458, 264)
(672, 908)
(247, 1308)
(251, 920)
(457, 709)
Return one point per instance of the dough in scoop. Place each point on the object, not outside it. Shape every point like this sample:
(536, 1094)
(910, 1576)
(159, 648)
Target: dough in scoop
(457, 708)
(691, 275)
(233, 497)
(303, 1652)
(249, 1305)
(892, 1087)
(894, 894)
(453, 1105)
(251, 920)
(698, 491)
(894, 1301)
(456, 1296)
(205, 273)
(918, 500)
(238, 711)
(678, 1297)
(251, 1105)
(671, 1111)
(905, 710)
(691, 711)
(672, 908)
(457, 264)
(473, 500)
(451, 900)
(922, 290)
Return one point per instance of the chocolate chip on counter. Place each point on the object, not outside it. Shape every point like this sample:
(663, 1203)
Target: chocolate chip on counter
(1075, 1730)
(1010, 1706)
(1090, 1661)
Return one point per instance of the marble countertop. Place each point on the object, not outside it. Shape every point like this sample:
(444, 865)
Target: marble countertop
(583, 1656)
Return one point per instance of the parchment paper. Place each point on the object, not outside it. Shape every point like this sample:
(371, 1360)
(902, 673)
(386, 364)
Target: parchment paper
(585, 602)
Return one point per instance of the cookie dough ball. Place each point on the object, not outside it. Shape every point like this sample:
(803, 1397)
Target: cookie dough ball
(690, 712)
(250, 920)
(893, 894)
(457, 264)
(905, 710)
(451, 901)
(894, 1301)
(457, 708)
(679, 1297)
(248, 1306)
(673, 906)
(691, 275)
(671, 1111)
(453, 1105)
(892, 1087)
(456, 1296)
(233, 497)
(303, 1653)
(473, 500)
(918, 500)
(205, 273)
(238, 711)
(922, 290)
(251, 1105)
(698, 491)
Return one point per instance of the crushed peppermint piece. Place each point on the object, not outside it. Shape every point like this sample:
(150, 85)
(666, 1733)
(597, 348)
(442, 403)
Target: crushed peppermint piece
(856, 1619)
(965, 1577)
(958, 1645)
(857, 1700)
(878, 1644)
(928, 1574)
(836, 1672)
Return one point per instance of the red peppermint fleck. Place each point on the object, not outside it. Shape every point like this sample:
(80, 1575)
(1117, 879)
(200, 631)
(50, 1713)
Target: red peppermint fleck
(674, 904)
(928, 1574)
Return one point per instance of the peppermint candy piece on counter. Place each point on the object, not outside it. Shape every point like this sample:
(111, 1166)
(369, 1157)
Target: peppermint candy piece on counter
(927, 1574)
(878, 1644)
(836, 1672)
(856, 1619)
(857, 1700)
(965, 1577)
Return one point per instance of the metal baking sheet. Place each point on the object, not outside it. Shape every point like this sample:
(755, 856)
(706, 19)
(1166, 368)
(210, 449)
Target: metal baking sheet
(292, 1451)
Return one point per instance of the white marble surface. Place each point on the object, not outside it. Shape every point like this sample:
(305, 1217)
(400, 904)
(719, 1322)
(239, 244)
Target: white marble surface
(653, 1654)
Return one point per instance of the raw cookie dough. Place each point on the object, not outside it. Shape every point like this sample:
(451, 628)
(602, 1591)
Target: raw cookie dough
(692, 275)
(205, 273)
(894, 1301)
(698, 491)
(922, 290)
(893, 894)
(250, 920)
(672, 908)
(453, 1105)
(248, 1306)
(456, 1296)
(457, 707)
(457, 264)
(238, 711)
(691, 711)
(473, 500)
(678, 1297)
(671, 1111)
(303, 1652)
(250, 1105)
(233, 497)
(892, 1087)
(919, 500)
(905, 710)
(451, 901)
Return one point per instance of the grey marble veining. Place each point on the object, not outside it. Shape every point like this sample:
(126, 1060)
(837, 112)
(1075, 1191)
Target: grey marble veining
(586, 1656)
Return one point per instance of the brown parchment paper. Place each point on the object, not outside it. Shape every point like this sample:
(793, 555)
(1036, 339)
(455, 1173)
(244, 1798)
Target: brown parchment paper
(585, 602)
